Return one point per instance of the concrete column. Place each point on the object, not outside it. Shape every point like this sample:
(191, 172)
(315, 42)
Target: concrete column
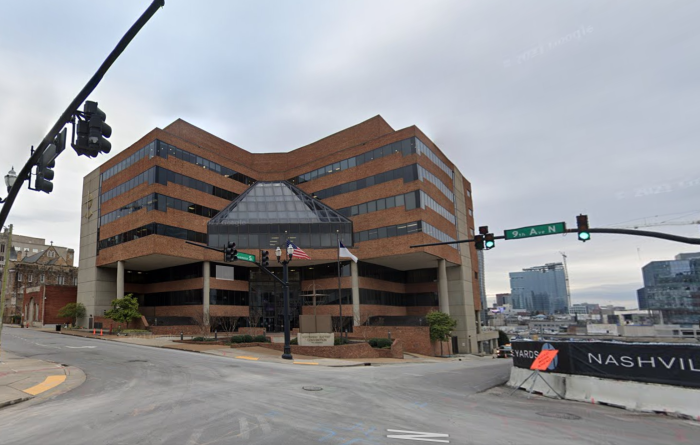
(120, 279)
(206, 273)
(443, 293)
(355, 293)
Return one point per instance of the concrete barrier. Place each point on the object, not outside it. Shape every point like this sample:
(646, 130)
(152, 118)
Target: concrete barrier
(646, 397)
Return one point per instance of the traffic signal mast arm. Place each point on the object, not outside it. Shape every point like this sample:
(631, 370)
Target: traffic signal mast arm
(666, 236)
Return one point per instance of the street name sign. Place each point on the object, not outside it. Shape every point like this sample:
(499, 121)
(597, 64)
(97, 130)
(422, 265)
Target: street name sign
(541, 230)
(246, 257)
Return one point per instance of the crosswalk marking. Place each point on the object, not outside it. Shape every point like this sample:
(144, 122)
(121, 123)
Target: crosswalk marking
(417, 435)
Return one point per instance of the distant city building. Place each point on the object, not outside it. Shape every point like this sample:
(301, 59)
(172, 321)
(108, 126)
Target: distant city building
(642, 299)
(540, 289)
(503, 299)
(673, 288)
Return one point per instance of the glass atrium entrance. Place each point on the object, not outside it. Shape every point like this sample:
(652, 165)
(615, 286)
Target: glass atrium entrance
(267, 300)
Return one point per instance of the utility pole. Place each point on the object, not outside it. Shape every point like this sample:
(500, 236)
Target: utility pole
(5, 271)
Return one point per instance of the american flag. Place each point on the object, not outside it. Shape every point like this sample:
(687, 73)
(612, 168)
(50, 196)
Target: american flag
(298, 253)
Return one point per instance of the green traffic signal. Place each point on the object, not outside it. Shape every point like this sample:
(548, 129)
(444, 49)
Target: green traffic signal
(584, 236)
(582, 228)
(489, 244)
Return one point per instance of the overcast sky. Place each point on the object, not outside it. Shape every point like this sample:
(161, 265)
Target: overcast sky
(549, 108)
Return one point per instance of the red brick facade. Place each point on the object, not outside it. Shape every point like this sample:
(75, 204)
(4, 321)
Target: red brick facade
(156, 252)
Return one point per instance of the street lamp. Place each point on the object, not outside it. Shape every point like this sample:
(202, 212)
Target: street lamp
(285, 284)
(10, 179)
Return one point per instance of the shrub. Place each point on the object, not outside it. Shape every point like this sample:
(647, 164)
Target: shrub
(198, 339)
(247, 339)
(340, 341)
(294, 341)
(237, 339)
(260, 339)
(380, 342)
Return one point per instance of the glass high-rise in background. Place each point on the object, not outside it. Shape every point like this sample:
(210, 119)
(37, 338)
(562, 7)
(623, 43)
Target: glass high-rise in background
(673, 289)
(540, 289)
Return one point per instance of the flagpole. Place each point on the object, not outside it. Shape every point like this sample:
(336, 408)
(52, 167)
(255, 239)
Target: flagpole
(340, 293)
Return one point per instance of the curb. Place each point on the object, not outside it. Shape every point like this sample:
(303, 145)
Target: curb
(15, 401)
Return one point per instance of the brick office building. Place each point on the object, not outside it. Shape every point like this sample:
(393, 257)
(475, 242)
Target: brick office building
(378, 189)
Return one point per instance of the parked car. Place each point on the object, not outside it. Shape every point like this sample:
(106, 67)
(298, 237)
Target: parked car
(504, 351)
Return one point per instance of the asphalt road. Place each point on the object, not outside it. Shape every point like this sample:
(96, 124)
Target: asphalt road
(144, 395)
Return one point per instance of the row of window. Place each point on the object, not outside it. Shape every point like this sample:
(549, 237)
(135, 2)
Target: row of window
(406, 147)
(403, 229)
(388, 231)
(162, 175)
(166, 150)
(411, 200)
(163, 150)
(242, 298)
(424, 150)
(156, 201)
(425, 174)
(427, 201)
(271, 241)
(307, 273)
(153, 229)
(149, 150)
(60, 279)
(406, 199)
(437, 234)
(408, 173)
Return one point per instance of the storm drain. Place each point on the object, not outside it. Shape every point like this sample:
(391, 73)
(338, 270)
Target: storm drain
(557, 415)
(311, 388)
(137, 361)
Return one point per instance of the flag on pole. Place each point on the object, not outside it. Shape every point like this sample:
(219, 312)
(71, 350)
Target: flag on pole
(345, 253)
(298, 253)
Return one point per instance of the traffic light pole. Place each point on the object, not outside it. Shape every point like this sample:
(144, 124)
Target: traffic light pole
(67, 115)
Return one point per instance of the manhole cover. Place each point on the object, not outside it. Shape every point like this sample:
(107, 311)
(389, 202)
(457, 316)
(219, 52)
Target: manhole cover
(566, 416)
(311, 388)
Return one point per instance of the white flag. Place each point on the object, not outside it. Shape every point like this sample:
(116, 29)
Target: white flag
(345, 253)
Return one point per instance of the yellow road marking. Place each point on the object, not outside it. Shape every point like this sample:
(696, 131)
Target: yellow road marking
(305, 363)
(50, 382)
(246, 358)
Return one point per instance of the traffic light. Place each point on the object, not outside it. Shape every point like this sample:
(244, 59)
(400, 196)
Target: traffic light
(489, 241)
(47, 162)
(92, 131)
(583, 231)
(265, 258)
(230, 252)
(479, 242)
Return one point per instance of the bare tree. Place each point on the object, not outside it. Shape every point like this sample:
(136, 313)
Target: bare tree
(254, 316)
(224, 324)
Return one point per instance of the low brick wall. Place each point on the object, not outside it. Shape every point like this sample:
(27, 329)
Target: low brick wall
(355, 350)
(176, 330)
(414, 338)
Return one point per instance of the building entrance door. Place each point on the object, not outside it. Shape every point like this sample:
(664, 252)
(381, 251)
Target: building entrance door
(267, 301)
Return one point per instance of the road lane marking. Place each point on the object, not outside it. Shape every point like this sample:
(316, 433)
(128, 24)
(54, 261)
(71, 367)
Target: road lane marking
(305, 363)
(51, 382)
(195, 436)
(263, 424)
(417, 435)
(246, 357)
(245, 431)
(81, 347)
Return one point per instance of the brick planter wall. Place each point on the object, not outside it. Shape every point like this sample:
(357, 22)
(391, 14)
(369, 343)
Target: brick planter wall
(251, 331)
(414, 338)
(356, 350)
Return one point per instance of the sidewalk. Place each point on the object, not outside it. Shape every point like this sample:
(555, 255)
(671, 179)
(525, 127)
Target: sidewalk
(258, 353)
(23, 378)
